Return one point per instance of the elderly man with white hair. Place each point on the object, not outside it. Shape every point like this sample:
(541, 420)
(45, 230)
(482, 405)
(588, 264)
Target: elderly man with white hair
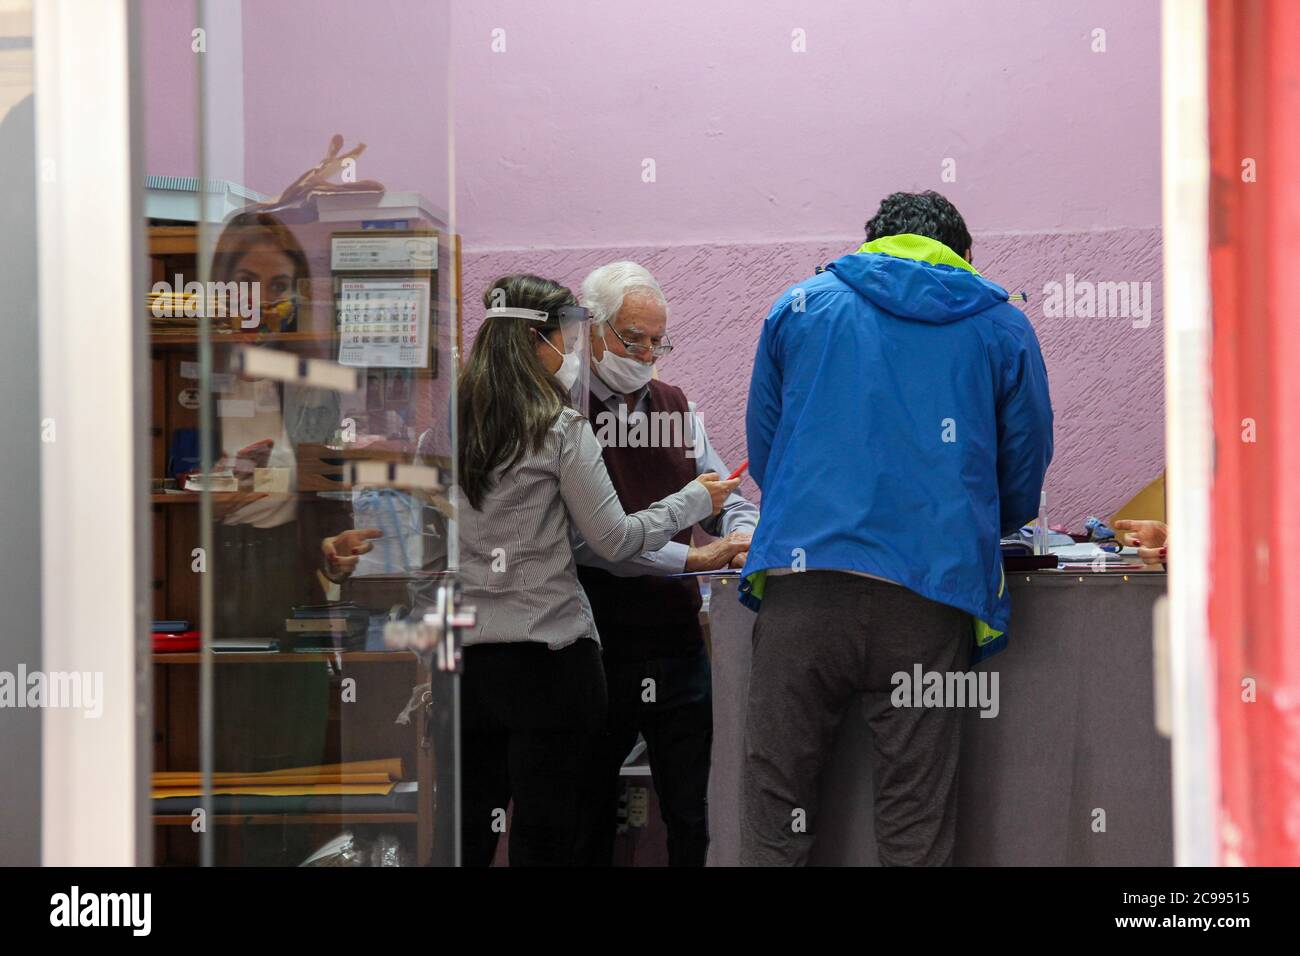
(648, 619)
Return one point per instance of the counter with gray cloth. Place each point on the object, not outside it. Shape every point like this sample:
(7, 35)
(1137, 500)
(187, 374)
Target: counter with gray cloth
(1074, 735)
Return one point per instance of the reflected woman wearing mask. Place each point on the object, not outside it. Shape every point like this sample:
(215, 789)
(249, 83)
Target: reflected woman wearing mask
(531, 472)
(273, 546)
(276, 547)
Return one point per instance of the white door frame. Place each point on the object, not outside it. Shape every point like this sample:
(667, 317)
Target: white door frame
(1189, 432)
(94, 396)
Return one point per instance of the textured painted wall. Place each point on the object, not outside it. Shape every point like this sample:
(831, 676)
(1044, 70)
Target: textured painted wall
(1105, 375)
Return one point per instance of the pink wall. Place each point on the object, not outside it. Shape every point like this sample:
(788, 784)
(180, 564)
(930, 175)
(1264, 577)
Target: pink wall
(168, 88)
(754, 142)
(767, 161)
(376, 73)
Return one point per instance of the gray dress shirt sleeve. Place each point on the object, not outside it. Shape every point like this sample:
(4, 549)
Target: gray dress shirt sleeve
(597, 516)
(737, 515)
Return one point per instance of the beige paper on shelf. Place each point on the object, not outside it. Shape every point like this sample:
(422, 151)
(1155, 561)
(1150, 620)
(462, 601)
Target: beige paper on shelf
(355, 777)
(274, 790)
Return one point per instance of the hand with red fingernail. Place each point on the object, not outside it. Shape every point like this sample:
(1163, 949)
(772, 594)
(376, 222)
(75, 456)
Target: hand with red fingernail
(1151, 538)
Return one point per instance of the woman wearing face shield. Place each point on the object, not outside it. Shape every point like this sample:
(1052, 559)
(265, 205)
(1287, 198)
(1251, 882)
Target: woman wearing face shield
(531, 471)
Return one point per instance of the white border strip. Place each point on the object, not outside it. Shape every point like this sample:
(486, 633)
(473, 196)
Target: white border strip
(88, 480)
(1189, 425)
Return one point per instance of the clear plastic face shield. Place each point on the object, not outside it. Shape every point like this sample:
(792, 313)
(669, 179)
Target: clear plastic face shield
(574, 373)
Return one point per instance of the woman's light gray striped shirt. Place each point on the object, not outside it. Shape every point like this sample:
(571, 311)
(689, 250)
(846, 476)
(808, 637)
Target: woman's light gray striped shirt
(517, 564)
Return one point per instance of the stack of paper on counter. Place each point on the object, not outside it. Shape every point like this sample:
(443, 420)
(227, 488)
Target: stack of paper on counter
(1089, 554)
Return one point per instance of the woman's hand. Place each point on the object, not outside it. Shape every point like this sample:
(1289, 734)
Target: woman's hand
(718, 488)
(1151, 538)
(242, 462)
(343, 551)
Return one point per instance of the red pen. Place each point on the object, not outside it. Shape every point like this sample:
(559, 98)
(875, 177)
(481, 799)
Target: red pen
(739, 471)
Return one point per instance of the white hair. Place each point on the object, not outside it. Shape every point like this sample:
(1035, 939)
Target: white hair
(604, 289)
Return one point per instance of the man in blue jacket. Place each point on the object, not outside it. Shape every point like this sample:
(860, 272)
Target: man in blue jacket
(899, 424)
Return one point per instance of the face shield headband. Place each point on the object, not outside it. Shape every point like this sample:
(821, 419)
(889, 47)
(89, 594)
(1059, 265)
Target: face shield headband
(574, 322)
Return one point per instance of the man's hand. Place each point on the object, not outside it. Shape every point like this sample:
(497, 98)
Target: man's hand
(343, 551)
(719, 554)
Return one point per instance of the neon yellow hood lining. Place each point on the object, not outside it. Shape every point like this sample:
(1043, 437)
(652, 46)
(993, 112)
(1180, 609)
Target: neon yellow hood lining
(921, 248)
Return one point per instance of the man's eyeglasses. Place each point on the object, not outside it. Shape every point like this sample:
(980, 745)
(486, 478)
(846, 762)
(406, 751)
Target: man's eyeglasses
(636, 350)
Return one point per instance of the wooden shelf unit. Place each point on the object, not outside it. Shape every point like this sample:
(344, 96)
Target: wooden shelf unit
(369, 731)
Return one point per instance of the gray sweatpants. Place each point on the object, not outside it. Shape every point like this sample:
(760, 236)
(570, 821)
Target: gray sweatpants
(822, 638)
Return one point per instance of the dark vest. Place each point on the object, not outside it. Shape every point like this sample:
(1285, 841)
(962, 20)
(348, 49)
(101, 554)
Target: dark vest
(646, 616)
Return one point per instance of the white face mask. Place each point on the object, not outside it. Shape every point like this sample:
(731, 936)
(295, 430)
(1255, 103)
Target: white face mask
(570, 365)
(567, 373)
(623, 374)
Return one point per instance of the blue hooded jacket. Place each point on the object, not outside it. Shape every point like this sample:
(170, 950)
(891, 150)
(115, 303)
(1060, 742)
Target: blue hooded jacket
(899, 424)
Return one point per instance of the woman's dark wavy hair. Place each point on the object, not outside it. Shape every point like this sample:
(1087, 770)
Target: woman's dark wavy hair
(506, 399)
(923, 214)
